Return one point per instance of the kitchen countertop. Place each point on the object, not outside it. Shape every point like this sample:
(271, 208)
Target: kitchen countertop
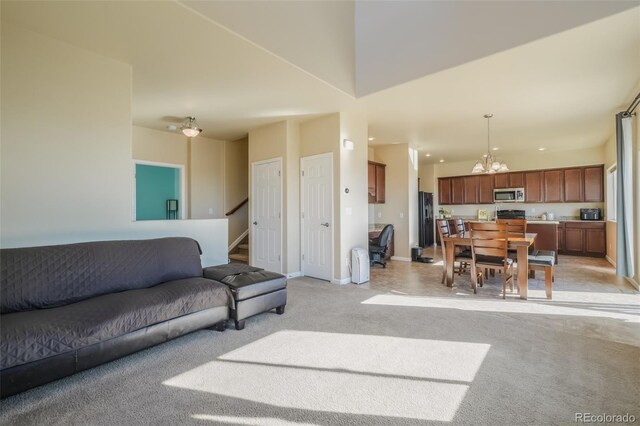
(376, 226)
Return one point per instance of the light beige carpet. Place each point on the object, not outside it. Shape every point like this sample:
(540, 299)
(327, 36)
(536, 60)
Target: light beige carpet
(347, 355)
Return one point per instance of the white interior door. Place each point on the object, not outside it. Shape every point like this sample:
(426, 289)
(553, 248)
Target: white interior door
(317, 216)
(266, 228)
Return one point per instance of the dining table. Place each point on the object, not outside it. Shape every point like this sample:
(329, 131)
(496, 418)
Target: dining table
(520, 244)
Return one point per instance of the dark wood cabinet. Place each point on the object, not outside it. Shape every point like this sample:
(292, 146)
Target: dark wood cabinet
(471, 190)
(547, 238)
(583, 239)
(377, 192)
(501, 180)
(552, 186)
(444, 191)
(533, 187)
(573, 185)
(593, 183)
(485, 189)
(516, 180)
(566, 185)
(457, 190)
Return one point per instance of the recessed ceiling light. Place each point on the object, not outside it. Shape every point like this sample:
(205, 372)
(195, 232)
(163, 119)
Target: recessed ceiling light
(372, 139)
(541, 149)
(495, 148)
(427, 155)
(441, 160)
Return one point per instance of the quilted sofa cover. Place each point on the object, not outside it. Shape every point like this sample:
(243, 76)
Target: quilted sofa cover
(59, 299)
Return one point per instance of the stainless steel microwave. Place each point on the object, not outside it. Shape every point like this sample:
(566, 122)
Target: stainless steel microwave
(508, 195)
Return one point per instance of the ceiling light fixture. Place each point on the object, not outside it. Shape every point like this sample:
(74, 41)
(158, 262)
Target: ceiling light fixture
(442, 161)
(489, 163)
(541, 149)
(347, 144)
(372, 138)
(190, 127)
(427, 155)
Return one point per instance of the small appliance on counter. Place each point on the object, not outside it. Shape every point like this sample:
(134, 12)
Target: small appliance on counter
(590, 214)
(511, 214)
(551, 216)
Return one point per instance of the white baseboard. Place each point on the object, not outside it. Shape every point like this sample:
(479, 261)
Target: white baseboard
(341, 281)
(294, 274)
(401, 259)
(611, 261)
(633, 282)
(238, 240)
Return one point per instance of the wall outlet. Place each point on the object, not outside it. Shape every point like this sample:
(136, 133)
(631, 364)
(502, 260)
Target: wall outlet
(533, 209)
(379, 214)
(348, 211)
(210, 210)
(347, 261)
(401, 215)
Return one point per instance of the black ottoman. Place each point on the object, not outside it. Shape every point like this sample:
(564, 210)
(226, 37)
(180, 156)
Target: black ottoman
(254, 290)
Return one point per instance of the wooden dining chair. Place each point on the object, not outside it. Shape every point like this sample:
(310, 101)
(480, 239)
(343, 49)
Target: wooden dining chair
(489, 245)
(515, 228)
(460, 226)
(463, 258)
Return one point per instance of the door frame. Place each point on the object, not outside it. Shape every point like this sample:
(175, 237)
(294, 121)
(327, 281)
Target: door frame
(302, 219)
(183, 186)
(252, 208)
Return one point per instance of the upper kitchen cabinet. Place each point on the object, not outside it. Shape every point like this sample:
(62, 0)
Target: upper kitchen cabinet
(593, 183)
(471, 189)
(457, 190)
(552, 180)
(501, 181)
(444, 191)
(485, 189)
(376, 182)
(516, 180)
(533, 187)
(573, 185)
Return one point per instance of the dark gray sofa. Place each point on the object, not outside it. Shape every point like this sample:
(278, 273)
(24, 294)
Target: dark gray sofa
(70, 307)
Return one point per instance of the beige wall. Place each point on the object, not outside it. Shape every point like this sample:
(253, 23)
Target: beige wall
(353, 175)
(70, 173)
(236, 185)
(396, 209)
(292, 207)
(204, 163)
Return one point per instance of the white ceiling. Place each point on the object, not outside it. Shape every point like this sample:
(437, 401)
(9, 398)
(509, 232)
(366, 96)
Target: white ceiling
(237, 65)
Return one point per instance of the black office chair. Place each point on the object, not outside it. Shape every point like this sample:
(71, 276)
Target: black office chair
(378, 246)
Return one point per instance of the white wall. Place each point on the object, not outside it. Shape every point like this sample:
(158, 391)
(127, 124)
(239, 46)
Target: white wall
(68, 177)
(66, 139)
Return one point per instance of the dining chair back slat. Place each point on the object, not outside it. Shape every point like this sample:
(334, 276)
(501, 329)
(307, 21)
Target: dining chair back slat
(489, 249)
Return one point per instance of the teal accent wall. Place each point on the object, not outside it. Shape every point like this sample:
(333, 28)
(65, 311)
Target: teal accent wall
(154, 186)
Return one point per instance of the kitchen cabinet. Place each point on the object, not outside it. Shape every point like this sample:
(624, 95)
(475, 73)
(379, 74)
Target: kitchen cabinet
(516, 180)
(533, 187)
(547, 238)
(485, 189)
(552, 186)
(593, 183)
(444, 191)
(584, 239)
(471, 189)
(573, 185)
(457, 190)
(501, 180)
(377, 191)
(561, 234)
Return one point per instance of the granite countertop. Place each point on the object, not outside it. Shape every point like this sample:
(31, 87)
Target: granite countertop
(376, 226)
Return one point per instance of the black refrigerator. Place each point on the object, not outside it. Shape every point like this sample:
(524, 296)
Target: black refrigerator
(425, 219)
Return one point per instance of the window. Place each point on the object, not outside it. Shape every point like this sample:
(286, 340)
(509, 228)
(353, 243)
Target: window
(612, 190)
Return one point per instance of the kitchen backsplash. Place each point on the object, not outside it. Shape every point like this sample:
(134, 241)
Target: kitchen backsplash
(564, 211)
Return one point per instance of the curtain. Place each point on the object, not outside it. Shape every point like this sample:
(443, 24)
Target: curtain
(624, 207)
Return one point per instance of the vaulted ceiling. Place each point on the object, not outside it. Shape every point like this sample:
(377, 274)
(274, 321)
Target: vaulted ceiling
(424, 73)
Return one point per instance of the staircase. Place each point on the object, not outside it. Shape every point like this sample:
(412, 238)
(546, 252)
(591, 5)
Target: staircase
(240, 253)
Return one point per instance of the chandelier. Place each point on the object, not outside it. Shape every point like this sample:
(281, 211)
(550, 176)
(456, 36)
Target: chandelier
(489, 163)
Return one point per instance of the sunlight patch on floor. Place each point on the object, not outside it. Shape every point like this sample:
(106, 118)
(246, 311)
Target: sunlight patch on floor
(345, 373)
(622, 307)
(251, 421)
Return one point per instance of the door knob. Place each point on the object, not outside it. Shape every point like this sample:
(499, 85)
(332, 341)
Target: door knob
(326, 224)
(255, 223)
